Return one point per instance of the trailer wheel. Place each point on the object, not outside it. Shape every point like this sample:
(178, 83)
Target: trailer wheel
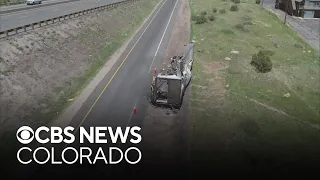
(152, 96)
(177, 107)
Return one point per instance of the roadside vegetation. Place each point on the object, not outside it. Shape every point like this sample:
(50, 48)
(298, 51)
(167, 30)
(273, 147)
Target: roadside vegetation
(11, 2)
(255, 88)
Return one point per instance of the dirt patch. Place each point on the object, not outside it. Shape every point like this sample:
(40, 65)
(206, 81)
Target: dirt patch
(42, 70)
(166, 134)
(199, 86)
(216, 87)
(214, 66)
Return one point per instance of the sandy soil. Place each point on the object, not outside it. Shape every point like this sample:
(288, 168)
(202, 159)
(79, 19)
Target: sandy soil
(166, 135)
(42, 66)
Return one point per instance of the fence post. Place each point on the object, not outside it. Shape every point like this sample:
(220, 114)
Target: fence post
(286, 9)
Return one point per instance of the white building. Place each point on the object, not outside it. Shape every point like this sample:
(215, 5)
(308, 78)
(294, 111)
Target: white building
(311, 9)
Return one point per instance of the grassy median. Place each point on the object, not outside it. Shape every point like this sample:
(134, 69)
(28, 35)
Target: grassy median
(242, 116)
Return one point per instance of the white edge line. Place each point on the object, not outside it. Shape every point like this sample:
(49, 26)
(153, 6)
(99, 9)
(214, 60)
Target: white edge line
(147, 26)
(154, 57)
(134, 46)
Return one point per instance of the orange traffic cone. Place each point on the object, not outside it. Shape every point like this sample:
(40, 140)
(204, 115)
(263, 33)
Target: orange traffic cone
(134, 110)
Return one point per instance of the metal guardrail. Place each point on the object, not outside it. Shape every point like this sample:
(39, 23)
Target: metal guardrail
(32, 26)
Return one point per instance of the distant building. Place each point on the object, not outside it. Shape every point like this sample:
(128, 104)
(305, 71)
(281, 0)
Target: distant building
(302, 8)
(310, 9)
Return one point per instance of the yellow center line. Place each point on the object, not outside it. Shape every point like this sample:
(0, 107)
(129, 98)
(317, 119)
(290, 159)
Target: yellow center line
(104, 89)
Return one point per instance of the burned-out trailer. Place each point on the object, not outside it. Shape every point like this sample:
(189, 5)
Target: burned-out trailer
(168, 87)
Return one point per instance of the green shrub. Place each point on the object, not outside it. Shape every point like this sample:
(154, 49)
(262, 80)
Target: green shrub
(241, 27)
(261, 61)
(214, 10)
(246, 18)
(236, 1)
(201, 19)
(203, 13)
(234, 8)
(247, 23)
(298, 46)
(258, 1)
(194, 17)
(222, 11)
(267, 52)
(212, 17)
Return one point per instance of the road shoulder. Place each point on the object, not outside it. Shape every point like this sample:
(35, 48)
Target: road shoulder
(166, 135)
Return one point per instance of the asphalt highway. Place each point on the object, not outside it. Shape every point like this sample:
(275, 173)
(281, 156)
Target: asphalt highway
(127, 84)
(125, 87)
(23, 6)
(19, 18)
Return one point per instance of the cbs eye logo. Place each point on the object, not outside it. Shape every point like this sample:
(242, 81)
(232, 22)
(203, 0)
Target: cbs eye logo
(25, 134)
